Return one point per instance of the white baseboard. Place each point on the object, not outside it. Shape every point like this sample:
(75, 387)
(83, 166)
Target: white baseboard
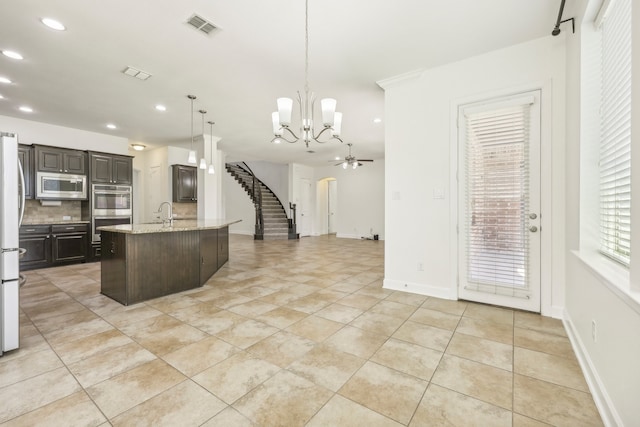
(347, 236)
(603, 401)
(555, 311)
(418, 288)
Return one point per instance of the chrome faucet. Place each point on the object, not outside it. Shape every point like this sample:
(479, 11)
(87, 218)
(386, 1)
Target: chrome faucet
(169, 218)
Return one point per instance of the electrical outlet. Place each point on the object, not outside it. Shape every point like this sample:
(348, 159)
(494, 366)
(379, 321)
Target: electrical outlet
(594, 333)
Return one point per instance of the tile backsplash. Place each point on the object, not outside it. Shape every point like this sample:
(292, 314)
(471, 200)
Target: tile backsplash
(185, 210)
(34, 212)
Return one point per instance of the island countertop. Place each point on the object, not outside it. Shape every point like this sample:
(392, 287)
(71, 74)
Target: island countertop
(178, 225)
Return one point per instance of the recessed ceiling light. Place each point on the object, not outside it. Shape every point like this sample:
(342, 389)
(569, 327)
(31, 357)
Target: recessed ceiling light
(337, 157)
(53, 24)
(26, 109)
(12, 54)
(5, 80)
(111, 126)
(160, 107)
(377, 120)
(1, 97)
(277, 141)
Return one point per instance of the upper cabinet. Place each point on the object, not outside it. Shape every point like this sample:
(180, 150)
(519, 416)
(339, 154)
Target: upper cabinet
(61, 160)
(25, 155)
(110, 169)
(185, 184)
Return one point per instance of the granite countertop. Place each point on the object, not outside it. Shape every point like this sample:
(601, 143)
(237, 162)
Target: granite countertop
(178, 225)
(53, 222)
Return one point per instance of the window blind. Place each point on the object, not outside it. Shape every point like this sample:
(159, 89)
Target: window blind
(497, 198)
(615, 133)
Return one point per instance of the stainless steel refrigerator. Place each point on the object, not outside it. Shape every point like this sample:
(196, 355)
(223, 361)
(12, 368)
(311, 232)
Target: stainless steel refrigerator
(11, 212)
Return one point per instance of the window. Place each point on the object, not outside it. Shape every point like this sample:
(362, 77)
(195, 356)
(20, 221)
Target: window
(615, 131)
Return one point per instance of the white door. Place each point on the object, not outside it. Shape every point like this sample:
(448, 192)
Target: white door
(332, 205)
(499, 201)
(304, 207)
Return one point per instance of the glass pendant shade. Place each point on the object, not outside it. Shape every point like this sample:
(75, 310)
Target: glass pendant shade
(328, 106)
(211, 170)
(337, 124)
(275, 118)
(192, 157)
(355, 165)
(285, 106)
(344, 165)
(203, 163)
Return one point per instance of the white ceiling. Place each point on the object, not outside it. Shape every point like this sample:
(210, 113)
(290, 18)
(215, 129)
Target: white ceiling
(74, 78)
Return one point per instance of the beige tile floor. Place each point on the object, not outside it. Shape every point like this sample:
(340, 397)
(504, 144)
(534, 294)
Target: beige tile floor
(288, 333)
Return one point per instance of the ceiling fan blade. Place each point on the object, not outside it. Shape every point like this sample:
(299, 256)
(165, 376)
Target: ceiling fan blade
(365, 160)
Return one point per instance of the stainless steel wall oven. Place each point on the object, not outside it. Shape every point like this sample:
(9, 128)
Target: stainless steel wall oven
(111, 205)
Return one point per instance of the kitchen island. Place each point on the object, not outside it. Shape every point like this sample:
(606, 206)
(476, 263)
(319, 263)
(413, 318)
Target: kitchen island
(144, 261)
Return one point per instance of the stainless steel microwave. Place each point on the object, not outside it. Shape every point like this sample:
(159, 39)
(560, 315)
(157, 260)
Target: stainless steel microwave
(60, 186)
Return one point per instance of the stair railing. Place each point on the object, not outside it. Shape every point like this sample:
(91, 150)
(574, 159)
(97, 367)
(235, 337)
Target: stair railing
(256, 190)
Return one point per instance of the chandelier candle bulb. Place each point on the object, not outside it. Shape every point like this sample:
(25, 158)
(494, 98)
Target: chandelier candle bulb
(328, 106)
(285, 106)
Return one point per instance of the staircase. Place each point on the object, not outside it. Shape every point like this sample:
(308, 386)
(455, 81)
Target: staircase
(271, 218)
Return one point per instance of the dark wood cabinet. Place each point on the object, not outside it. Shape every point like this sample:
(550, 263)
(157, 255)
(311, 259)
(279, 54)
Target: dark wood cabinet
(69, 243)
(25, 155)
(113, 266)
(208, 254)
(223, 246)
(61, 160)
(185, 184)
(110, 169)
(50, 245)
(36, 239)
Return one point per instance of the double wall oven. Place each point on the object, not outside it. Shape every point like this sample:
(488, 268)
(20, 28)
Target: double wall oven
(111, 205)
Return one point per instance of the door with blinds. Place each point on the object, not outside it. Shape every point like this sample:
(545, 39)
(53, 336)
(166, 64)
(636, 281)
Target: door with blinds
(499, 201)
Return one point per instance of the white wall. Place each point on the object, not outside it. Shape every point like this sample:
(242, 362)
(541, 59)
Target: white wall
(420, 145)
(360, 200)
(610, 362)
(238, 205)
(32, 132)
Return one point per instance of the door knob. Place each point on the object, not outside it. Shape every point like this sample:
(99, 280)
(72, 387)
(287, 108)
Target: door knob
(533, 229)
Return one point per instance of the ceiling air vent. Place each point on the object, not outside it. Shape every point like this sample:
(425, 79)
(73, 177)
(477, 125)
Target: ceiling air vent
(201, 24)
(138, 74)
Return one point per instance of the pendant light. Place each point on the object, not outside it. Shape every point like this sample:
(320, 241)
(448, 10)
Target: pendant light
(192, 154)
(211, 170)
(203, 162)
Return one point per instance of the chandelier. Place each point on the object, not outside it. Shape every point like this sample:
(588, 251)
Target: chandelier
(331, 120)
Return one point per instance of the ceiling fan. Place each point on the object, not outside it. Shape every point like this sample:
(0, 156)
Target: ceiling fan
(350, 160)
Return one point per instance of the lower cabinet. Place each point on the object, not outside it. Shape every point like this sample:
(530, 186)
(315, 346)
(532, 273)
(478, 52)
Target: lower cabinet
(36, 239)
(50, 245)
(69, 243)
(208, 254)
